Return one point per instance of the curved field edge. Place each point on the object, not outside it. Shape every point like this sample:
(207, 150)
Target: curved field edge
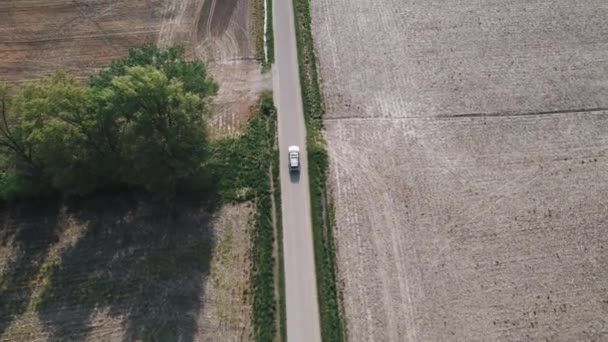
(332, 328)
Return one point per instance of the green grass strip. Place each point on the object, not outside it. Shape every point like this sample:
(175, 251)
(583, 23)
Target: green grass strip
(329, 306)
(269, 34)
(262, 16)
(277, 200)
(242, 166)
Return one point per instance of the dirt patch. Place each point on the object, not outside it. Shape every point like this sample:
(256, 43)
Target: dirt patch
(225, 37)
(225, 31)
(241, 85)
(429, 58)
(178, 18)
(468, 165)
(124, 272)
(227, 289)
(37, 37)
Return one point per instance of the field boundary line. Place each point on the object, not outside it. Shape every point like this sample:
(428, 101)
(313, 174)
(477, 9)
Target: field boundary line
(596, 111)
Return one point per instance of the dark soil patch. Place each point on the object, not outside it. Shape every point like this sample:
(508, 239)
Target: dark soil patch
(130, 260)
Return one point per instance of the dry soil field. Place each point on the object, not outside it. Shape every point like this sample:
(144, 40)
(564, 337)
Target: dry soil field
(468, 144)
(108, 274)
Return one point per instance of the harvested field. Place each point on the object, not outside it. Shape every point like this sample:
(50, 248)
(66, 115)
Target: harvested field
(224, 31)
(111, 269)
(468, 147)
(37, 37)
(240, 85)
(227, 290)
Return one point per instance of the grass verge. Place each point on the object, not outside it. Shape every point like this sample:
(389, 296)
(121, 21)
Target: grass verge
(281, 281)
(322, 222)
(269, 34)
(242, 166)
(262, 10)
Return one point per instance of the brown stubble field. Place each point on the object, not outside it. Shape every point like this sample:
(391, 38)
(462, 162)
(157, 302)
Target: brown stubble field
(120, 269)
(37, 37)
(468, 146)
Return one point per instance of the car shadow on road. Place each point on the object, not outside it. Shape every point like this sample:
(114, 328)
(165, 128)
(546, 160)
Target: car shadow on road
(294, 177)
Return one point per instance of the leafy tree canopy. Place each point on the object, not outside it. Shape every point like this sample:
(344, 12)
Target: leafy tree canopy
(192, 74)
(163, 131)
(40, 131)
(141, 122)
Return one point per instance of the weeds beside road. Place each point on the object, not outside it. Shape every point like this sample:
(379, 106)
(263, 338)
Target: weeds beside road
(264, 36)
(242, 164)
(329, 305)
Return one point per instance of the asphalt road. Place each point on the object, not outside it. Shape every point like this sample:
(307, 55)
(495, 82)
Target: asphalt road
(300, 277)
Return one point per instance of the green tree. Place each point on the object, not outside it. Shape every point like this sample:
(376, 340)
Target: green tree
(141, 122)
(42, 134)
(192, 74)
(161, 133)
(115, 106)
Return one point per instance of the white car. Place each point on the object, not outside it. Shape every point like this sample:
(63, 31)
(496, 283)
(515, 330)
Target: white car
(294, 158)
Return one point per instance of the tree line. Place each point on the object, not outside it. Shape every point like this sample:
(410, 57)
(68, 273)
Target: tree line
(140, 122)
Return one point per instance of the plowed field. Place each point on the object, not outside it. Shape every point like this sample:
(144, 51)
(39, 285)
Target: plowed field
(468, 147)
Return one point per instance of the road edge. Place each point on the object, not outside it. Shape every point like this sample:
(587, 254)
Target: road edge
(332, 328)
(267, 277)
(281, 301)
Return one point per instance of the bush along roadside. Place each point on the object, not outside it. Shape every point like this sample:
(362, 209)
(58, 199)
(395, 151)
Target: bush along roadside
(242, 167)
(322, 216)
(281, 280)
